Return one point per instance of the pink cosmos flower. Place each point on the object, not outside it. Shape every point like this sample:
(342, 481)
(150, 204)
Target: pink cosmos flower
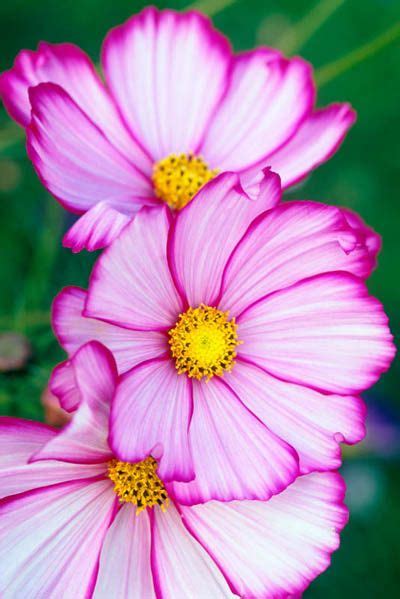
(244, 337)
(176, 107)
(76, 522)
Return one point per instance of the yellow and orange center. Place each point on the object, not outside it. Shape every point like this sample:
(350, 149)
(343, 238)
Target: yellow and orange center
(178, 177)
(203, 342)
(138, 484)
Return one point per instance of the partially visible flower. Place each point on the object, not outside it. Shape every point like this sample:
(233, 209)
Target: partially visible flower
(244, 337)
(177, 107)
(76, 523)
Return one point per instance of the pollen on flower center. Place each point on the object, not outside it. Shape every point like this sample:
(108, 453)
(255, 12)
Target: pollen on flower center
(177, 178)
(138, 484)
(203, 342)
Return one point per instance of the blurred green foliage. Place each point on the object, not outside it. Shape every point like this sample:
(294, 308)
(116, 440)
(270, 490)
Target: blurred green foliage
(363, 176)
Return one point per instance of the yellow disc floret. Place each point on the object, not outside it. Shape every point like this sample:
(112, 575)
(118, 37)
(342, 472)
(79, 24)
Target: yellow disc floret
(178, 177)
(138, 484)
(203, 342)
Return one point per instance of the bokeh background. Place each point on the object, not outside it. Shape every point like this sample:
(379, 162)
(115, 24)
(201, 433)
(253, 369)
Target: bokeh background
(355, 48)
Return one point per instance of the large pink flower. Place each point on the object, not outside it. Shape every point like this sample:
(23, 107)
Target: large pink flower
(244, 336)
(177, 106)
(76, 522)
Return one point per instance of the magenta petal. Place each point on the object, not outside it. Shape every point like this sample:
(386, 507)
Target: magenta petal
(181, 566)
(167, 71)
(292, 242)
(63, 385)
(131, 285)
(206, 231)
(74, 158)
(273, 548)
(312, 423)
(371, 239)
(85, 438)
(125, 569)
(96, 229)
(50, 539)
(234, 455)
(150, 414)
(74, 330)
(316, 140)
(266, 101)
(324, 332)
(19, 439)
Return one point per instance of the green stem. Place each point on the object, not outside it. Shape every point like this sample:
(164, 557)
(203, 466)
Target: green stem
(298, 35)
(332, 70)
(211, 7)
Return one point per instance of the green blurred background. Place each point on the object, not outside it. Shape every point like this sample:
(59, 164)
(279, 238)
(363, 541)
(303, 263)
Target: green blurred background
(363, 176)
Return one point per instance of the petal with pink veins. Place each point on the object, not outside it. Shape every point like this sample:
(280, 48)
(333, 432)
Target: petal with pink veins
(167, 71)
(313, 423)
(150, 414)
(180, 562)
(206, 231)
(50, 539)
(74, 330)
(267, 99)
(125, 569)
(235, 456)
(76, 161)
(290, 243)
(372, 240)
(273, 548)
(131, 285)
(324, 332)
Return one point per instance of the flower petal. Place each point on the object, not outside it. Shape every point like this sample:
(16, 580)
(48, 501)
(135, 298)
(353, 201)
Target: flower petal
(277, 547)
(73, 330)
(131, 285)
(292, 242)
(312, 423)
(63, 385)
(206, 231)
(234, 455)
(19, 439)
(76, 161)
(150, 414)
(125, 569)
(371, 239)
(316, 140)
(85, 438)
(167, 71)
(325, 332)
(51, 539)
(181, 566)
(96, 229)
(266, 101)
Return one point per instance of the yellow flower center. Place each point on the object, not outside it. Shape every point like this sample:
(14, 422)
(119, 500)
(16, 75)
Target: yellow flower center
(203, 342)
(138, 484)
(177, 178)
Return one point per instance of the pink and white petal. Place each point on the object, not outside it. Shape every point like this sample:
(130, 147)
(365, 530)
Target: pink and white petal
(235, 456)
(96, 229)
(273, 548)
(294, 241)
(266, 102)
(76, 161)
(85, 438)
(167, 71)
(259, 185)
(131, 285)
(324, 332)
(206, 231)
(316, 140)
(22, 478)
(63, 385)
(19, 439)
(125, 568)
(181, 566)
(312, 423)
(51, 539)
(150, 415)
(372, 240)
(74, 330)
